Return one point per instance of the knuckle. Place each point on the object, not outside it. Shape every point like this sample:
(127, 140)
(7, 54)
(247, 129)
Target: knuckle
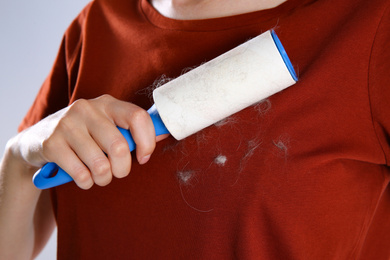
(139, 116)
(80, 106)
(102, 179)
(79, 103)
(82, 177)
(105, 97)
(100, 167)
(119, 148)
(49, 146)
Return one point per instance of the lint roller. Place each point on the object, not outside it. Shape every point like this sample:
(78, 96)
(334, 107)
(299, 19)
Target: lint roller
(207, 94)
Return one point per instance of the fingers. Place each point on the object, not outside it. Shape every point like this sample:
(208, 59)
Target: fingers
(68, 161)
(90, 153)
(110, 140)
(91, 149)
(142, 130)
(137, 120)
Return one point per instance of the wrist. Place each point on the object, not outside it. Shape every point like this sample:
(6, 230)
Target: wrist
(14, 162)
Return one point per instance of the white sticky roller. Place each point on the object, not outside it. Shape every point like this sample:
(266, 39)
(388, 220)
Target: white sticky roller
(225, 85)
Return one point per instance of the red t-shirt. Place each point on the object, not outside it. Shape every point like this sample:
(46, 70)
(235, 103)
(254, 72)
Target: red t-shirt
(303, 175)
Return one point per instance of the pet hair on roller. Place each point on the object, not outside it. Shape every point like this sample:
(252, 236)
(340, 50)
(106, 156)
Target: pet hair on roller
(207, 94)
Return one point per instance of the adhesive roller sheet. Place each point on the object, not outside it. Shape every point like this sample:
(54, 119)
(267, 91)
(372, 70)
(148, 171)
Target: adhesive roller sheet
(209, 93)
(223, 86)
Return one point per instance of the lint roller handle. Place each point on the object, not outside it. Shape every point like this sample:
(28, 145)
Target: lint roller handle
(51, 175)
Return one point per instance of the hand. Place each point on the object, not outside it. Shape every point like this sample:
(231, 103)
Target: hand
(83, 140)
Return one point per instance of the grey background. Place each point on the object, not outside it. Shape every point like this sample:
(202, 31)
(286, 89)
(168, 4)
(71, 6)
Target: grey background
(30, 35)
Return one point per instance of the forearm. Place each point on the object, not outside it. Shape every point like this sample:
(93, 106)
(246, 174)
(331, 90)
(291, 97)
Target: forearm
(18, 206)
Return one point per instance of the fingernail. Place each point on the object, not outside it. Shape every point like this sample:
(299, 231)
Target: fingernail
(144, 159)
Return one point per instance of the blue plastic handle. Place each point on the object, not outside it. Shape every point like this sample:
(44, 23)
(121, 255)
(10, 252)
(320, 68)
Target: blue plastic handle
(51, 175)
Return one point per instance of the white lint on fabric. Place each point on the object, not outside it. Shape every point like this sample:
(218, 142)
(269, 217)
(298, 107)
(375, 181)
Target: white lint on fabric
(220, 160)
